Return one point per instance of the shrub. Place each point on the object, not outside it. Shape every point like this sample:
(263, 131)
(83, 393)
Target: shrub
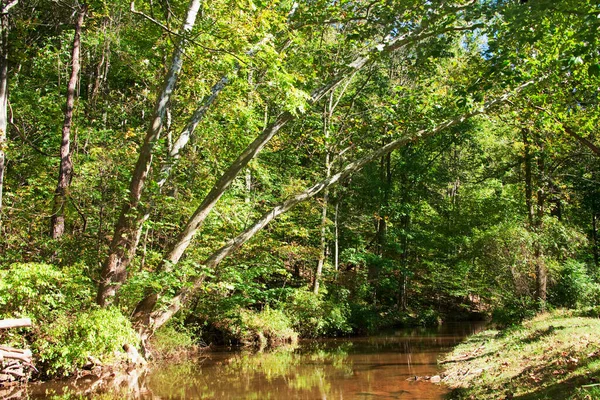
(364, 318)
(430, 317)
(170, 340)
(314, 315)
(65, 343)
(514, 310)
(267, 327)
(573, 287)
(41, 291)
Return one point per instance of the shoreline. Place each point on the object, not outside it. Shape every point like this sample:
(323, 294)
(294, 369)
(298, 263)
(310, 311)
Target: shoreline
(553, 354)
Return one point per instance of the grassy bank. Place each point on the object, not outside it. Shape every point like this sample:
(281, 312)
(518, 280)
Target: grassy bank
(553, 356)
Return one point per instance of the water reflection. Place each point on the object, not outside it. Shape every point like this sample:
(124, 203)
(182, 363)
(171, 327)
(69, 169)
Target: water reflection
(377, 367)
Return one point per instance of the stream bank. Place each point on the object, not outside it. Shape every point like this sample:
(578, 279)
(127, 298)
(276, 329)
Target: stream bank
(384, 366)
(552, 356)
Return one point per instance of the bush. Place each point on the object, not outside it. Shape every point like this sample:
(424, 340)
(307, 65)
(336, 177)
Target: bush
(42, 291)
(514, 310)
(364, 318)
(573, 287)
(65, 344)
(267, 327)
(170, 340)
(313, 315)
(66, 327)
(430, 318)
(241, 326)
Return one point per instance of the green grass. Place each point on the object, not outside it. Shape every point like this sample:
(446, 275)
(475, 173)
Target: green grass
(553, 356)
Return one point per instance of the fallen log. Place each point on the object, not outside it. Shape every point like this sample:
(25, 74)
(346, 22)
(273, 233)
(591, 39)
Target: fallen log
(14, 323)
(26, 357)
(14, 350)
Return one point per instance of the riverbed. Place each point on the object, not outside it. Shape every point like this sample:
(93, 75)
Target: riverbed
(393, 365)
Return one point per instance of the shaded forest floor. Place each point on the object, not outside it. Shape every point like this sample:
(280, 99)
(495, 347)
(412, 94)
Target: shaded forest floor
(553, 356)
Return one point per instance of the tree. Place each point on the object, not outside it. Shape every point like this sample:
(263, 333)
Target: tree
(126, 234)
(57, 222)
(4, 26)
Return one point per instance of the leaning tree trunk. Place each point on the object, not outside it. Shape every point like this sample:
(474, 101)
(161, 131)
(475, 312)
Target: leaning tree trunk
(126, 230)
(148, 320)
(65, 174)
(184, 239)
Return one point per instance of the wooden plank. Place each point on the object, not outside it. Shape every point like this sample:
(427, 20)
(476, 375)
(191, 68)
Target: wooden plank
(14, 323)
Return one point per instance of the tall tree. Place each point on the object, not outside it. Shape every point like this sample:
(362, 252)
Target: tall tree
(6, 6)
(126, 233)
(148, 319)
(65, 174)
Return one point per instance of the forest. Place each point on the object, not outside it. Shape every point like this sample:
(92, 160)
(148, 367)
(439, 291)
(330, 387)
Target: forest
(254, 171)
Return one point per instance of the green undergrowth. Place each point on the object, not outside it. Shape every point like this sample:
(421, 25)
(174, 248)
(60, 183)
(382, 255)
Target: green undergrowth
(552, 356)
(266, 328)
(67, 328)
(172, 341)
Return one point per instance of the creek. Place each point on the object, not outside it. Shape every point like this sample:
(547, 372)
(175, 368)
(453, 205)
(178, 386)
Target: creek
(385, 366)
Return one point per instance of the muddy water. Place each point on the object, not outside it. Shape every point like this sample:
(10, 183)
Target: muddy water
(377, 367)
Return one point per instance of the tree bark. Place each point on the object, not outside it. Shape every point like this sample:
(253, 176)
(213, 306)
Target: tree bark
(3, 90)
(323, 245)
(148, 320)
(65, 174)
(528, 178)
(595, 237)
(540, 266)
(127, 233)
(582, 140)
(535, 215)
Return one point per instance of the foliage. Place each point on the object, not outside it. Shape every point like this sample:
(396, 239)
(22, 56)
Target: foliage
(171, 340)
(574, 287)
(514, 310)
(317, 315)
(261, 328)
(456, 222)
(43, 291)
(66, 342)
(66, 327)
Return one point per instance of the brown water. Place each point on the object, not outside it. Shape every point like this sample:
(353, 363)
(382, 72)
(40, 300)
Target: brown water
(376, 367)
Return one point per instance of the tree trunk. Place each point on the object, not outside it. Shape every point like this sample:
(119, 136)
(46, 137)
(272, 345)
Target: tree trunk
(3, 95)
(327, 114)
(528, 180)
(336, 248)
(127, 230)
(65, 174)
(148, 320)
(136, 224)
(586, 142)
(540, 267)
(6, 5)
(595, 238)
